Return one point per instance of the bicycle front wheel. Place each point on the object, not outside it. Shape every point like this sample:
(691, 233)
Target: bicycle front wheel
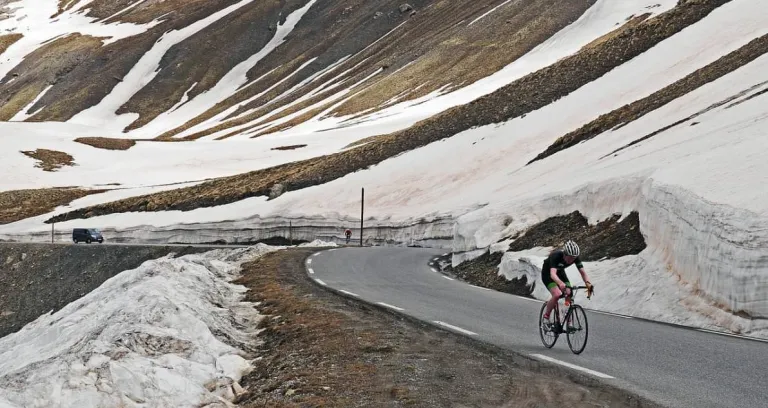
(546, 327)
(577, 329)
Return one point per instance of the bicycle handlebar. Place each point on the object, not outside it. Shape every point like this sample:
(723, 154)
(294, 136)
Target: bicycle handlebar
(574, 288)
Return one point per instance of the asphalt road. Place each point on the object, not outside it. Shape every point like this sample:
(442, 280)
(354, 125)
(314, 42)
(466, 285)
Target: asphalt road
(674, 366)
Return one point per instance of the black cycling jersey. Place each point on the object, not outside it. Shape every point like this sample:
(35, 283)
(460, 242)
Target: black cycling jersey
(557, 260)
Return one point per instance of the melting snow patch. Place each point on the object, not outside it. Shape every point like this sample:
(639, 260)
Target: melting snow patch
(318, 243)
(168, 333)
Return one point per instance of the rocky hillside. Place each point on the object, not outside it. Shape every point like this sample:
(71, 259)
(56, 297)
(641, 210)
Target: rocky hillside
(166, 67)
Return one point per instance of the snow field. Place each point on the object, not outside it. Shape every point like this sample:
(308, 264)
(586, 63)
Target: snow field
(165, 163)
(143, 338)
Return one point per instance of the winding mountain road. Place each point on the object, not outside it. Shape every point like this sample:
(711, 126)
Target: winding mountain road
(671, 365)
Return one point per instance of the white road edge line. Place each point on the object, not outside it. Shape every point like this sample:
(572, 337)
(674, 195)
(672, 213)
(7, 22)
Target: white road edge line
(446, 254)
(349, 293)
(573, 366)
(321, 282)
(312, 271)
(479, 287)
(610, 314)
(309, 261)
(731, 335)
(529, 299)
(458, 329)
(447, 277)
(331, 250)
(390, 306)
(434, 270)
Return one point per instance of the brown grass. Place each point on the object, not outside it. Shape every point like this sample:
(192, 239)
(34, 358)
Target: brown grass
(19, 100)
(464, 53)
(631, 23)
(17, 205)
(293, 122)
(107, 143)
(294, 109)
(204, 61)
(50, 160)
(41, 68)
(8, 40)
(522, 96)
(291, 147)
(240, 96)
(316, 335)
(444, 50)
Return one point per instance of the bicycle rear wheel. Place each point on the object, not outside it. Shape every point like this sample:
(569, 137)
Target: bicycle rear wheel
(577, 329)
(548, 337)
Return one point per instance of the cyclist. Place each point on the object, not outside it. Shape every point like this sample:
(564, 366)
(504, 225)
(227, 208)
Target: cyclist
(348, 234)
(554, 277)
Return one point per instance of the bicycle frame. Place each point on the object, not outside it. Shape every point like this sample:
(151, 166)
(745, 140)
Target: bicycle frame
(563, 326)
(570, 308)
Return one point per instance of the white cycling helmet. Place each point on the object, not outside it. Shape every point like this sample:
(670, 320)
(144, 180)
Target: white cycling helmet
(571, 249)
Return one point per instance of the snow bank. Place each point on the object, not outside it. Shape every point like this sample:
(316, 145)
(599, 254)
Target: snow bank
(152, 336)
(703, 266)
(318, 243)
(637, 286)
(434, 231)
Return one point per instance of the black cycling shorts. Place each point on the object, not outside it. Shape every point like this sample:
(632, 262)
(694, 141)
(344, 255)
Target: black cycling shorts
(547, 279)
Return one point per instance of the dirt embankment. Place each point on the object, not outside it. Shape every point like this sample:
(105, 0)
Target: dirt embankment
(538, 89)
(607, 239)
(321, 350)
(17, 205)
(38, 278)
(107, 143)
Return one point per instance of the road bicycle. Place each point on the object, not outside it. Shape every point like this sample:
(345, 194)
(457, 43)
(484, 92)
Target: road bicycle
(575, 325)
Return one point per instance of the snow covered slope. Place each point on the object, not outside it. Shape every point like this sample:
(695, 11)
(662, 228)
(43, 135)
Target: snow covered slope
(145, 336)
(668, 97)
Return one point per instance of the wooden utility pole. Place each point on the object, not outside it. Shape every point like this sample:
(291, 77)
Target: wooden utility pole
(362, 214)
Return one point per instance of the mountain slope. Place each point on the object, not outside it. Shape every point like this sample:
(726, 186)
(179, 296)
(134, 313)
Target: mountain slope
(465, 124)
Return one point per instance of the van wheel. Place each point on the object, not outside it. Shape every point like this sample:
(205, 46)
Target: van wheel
(75, 241)
(88, 241)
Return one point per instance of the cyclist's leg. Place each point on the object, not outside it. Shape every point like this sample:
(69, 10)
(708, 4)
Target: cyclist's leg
(555, 291)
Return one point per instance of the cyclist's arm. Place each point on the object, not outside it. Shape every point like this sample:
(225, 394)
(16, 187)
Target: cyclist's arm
(555, 278)
(583, 272)
(584, 275)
